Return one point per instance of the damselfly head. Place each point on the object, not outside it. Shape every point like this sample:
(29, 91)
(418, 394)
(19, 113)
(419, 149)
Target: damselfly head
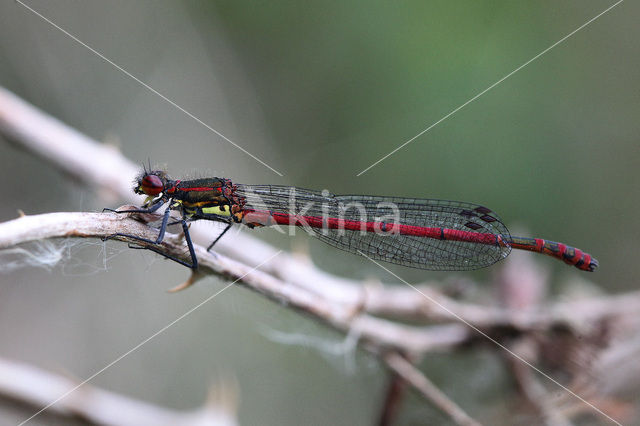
(151, 183)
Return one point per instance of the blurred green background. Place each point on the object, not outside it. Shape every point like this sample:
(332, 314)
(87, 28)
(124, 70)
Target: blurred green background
(319, 91)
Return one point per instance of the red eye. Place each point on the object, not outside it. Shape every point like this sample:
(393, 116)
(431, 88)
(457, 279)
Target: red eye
(151, 185)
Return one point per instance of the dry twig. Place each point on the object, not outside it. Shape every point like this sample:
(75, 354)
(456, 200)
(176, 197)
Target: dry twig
(37, 387)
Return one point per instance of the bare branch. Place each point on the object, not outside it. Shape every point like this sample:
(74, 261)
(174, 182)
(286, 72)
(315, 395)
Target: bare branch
(37, 387)
(346, 317)
(375, 332)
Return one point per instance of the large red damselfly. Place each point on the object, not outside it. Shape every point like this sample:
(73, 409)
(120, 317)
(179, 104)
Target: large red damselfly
(419, 233)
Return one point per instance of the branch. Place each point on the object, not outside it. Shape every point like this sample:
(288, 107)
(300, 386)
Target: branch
(375, 332)
(38, 388)
(343, 316)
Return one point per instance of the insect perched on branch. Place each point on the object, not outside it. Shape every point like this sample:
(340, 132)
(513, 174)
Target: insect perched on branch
(419, 233)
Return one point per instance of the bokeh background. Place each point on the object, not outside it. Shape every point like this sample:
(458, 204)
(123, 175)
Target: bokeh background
(319, 91)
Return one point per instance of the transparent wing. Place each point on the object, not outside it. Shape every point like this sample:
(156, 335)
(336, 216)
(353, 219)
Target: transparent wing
(408, 250)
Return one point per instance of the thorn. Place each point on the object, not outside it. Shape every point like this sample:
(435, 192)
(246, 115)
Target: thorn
(21, 213)
(113, 142)
(195, 277)
(223, 394)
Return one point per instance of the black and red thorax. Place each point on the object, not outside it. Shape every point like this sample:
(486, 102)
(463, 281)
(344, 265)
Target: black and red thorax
(207, 198)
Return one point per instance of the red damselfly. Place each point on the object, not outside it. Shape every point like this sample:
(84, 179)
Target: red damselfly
(419, 233)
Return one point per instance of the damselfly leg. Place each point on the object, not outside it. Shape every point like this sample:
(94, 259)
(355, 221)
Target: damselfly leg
(187, 237)
(229, 224)
(219, 236)
(161, 233)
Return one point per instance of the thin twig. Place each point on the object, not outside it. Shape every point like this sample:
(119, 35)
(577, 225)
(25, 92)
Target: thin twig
(419, 381)
(394, 396)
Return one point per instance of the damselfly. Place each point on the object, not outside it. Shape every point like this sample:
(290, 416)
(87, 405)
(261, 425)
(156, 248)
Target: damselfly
(419, 233)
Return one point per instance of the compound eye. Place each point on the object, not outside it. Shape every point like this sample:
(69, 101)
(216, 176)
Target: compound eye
(151, 185)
